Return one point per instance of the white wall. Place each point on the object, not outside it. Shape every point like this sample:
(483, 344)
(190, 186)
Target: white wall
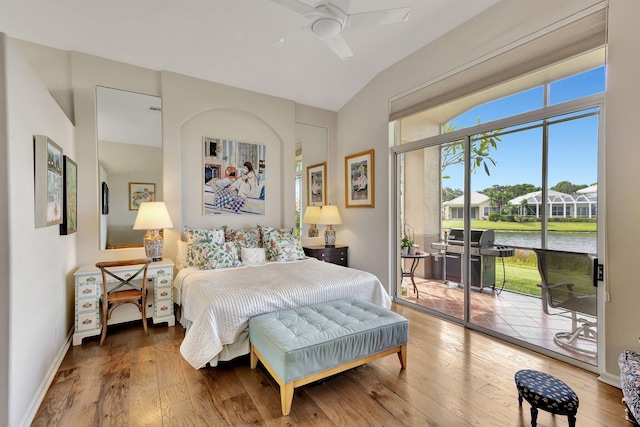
(193, 108)
(41, 261)
(622, 321)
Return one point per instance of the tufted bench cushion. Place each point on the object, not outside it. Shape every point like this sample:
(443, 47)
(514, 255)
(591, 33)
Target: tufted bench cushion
(548, 393)
(629, 362)
(305, 344)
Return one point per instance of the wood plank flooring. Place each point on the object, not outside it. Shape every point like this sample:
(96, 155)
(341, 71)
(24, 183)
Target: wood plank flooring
(455, 377)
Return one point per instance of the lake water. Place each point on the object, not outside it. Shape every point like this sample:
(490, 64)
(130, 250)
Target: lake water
(574, 242)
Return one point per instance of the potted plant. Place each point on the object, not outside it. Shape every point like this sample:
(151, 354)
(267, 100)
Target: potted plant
(405, 244)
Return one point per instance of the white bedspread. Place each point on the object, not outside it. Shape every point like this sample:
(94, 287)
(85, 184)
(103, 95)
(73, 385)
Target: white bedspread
(217, 304)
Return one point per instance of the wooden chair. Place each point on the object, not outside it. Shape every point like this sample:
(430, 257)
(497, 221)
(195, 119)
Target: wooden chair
(134, 292)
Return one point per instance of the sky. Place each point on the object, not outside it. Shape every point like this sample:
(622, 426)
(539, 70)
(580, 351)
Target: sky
(572, 145)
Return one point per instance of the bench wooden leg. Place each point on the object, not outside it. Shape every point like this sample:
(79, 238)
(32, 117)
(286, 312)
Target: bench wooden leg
(286, 397)
(402, 355)
(253, 359)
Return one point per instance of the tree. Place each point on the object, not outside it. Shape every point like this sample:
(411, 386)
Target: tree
(453, 153)
(449, 193)
(499, 195)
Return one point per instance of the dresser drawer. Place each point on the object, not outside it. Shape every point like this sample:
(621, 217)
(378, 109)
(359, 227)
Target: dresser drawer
(163, 282)
(163, 308)
(87, 321)
(160, 271)
(85, 305)
(89, 279)
(87, 290)
(162, 293)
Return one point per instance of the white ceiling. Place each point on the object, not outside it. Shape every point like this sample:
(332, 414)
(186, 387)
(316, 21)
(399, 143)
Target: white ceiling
(231, 41)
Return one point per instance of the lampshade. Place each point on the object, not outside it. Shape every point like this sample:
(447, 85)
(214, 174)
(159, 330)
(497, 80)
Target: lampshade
(311, 214)
(152, 216)
(329, 215)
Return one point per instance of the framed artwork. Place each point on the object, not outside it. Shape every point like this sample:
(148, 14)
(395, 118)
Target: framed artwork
(48, 181)
(234, 177)
(317, 185)
(140, 192)
(359, 180)
(70, 195)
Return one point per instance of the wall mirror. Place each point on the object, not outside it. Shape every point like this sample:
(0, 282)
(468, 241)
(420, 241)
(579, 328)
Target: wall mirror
(129, 128)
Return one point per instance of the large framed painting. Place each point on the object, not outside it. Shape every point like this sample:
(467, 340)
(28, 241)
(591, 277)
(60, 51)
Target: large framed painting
(359, 180)
(70, 195)
(234, 177)
(317, 185)
(140, 192)
(48, 181)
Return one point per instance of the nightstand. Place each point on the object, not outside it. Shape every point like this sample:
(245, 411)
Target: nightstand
(335, 255)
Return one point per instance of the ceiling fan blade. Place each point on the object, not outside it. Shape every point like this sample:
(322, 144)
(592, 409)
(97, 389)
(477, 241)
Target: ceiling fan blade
(298, 7)
(359, 21)
(339, 46)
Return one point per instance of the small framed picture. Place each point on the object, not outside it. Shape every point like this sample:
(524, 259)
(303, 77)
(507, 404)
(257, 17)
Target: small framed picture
(70, 196)
(359, 180)
(140, 192)
(49, 182)
(317, 184)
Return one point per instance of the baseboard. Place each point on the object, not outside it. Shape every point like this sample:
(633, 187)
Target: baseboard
(30, 414)
(610, 379)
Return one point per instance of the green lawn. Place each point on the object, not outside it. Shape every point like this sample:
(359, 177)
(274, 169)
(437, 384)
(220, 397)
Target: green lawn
(521, 226)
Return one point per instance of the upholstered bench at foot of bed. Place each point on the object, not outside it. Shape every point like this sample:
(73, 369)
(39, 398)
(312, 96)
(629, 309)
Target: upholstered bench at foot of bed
(305, 344)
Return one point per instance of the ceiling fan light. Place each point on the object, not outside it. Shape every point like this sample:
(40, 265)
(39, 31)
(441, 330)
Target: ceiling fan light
(326, 27)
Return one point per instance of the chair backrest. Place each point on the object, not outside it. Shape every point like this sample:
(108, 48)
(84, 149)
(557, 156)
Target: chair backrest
(109, 268)
(565, 275)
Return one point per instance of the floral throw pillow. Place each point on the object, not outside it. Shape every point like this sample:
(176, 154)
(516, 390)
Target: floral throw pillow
(283, 248)
(195, 236)
(244, 238)
(266, 232)
(208, 256)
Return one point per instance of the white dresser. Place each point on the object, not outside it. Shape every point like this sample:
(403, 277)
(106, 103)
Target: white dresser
(89, 289)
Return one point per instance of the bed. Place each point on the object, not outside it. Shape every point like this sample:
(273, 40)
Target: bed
(216, 305)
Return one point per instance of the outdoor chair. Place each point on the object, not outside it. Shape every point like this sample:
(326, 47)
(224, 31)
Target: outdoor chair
(127, 289)
(567, 288)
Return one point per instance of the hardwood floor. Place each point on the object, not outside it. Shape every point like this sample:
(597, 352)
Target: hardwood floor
(455, 377)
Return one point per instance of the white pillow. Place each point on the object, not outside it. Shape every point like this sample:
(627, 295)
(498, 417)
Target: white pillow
(181, 257)
(253, 256)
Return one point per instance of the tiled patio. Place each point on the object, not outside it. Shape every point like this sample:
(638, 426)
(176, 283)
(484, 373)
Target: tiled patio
(513, 314)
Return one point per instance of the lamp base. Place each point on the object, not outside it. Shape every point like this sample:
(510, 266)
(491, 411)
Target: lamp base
(153, 245)
(329, 237)
(313, 231)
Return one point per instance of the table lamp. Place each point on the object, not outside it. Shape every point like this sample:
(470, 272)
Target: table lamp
(329, 215)
(153, 216)
(311, 215)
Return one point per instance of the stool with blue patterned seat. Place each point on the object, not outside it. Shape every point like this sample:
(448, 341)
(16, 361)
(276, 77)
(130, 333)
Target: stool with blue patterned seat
(548, 393)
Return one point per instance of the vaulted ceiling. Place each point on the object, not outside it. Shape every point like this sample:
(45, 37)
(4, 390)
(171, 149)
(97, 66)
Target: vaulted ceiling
(232, 41)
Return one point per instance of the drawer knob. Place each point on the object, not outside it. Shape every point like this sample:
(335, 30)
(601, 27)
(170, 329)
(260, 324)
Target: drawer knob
(164, 293)
(164, 308)
(160, 271)
(126, 276)
(86, 291)
(164, 281)
(86, 305)
(87, 321)
(91, 279)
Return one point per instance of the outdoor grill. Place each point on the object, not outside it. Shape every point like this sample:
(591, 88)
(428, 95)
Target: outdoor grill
(483, 256)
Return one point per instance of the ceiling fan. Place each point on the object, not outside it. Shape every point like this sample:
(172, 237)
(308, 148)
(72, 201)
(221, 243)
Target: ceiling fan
(329, 20)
